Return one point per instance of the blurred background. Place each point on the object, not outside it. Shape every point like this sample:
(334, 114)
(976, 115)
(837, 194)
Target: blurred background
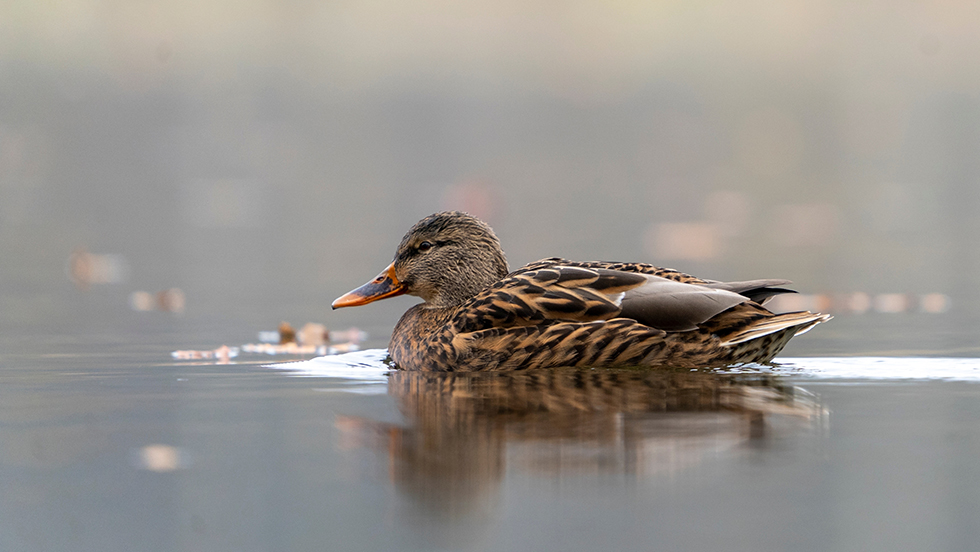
(206, 170)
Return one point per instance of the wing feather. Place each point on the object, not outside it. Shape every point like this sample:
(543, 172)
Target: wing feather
(555, 293)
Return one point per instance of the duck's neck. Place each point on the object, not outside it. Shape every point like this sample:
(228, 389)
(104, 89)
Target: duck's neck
(452, 298)
(463, 281)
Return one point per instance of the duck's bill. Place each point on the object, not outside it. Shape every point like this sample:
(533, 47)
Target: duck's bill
(383, 286)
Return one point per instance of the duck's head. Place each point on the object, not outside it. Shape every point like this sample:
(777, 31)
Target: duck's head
(445, 259)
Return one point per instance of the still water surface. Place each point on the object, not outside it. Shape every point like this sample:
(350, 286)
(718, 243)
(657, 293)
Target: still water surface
(117, 447)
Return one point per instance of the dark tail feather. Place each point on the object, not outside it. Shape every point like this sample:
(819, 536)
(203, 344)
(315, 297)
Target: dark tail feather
(759, 291)
(761, 295)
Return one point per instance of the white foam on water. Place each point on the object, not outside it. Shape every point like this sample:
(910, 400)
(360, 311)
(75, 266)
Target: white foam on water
(880, 368)
(368, 370)
(365, 366)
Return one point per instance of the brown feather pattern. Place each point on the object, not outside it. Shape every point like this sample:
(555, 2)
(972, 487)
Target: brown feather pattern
(556, 312)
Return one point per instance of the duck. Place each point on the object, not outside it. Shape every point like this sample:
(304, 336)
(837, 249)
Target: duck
(477, 315)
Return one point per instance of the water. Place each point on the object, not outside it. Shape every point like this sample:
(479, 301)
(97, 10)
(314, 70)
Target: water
(115, 446)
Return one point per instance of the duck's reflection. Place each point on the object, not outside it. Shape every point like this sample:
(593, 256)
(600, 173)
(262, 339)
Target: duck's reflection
(465, 430)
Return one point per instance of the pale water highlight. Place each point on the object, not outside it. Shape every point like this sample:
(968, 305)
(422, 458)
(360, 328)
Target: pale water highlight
(370, 366)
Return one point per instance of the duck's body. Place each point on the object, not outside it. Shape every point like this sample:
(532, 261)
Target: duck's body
(556, 312)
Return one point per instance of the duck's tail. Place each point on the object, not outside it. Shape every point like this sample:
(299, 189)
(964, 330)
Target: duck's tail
(760, 336)
(801, 322)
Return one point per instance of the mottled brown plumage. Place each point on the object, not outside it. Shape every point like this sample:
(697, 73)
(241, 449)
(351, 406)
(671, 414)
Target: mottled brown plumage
(556, 312)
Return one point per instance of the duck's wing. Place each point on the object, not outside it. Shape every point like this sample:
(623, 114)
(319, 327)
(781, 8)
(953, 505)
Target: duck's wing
(546, 295)
(690, 308)
(676, 306)
(576, 294)
(552, 316)
(759, 291)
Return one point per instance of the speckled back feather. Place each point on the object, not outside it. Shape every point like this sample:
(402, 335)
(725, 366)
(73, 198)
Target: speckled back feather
(639, 268)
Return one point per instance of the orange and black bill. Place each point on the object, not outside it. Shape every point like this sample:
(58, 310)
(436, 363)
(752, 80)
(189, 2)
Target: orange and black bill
(383, 286)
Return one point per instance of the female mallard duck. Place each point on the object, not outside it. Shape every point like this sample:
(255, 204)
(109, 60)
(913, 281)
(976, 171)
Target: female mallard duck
(555, 312)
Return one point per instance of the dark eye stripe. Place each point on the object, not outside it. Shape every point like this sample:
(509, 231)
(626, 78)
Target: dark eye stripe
(413, 251)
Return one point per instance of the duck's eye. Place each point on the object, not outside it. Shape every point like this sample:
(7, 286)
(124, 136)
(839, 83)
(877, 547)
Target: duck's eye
(425, 246)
